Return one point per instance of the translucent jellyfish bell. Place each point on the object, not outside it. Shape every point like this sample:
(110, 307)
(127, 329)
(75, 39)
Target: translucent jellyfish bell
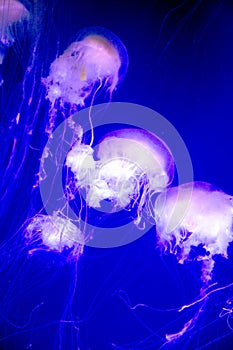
(11, 12)
(131, 165)
(194, 221)
(96, 59)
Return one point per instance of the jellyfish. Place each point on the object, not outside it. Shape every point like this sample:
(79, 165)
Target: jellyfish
(11, 12)
(194, 222)
(54, 233)
(126, 168)
(96, 59)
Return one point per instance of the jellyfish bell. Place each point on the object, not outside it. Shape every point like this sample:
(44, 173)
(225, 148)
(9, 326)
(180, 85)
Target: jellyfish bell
(11, 12)
(126, 168)
(107, 42)
(194, 221)
(135, 154)
(96, 59)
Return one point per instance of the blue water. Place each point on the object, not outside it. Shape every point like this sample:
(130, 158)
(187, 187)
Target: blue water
(180, 65)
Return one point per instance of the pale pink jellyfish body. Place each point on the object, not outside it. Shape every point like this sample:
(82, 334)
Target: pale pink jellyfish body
(127, 167)
(97, 59)
(11, 11)
(194, 221)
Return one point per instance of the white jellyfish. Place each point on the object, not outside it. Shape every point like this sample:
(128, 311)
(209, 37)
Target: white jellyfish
(126, 168)
(54, 233)
(11, 12)
(96, 59)
(194, 221)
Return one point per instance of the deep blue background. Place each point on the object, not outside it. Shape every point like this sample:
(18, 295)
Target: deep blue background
(181, 65)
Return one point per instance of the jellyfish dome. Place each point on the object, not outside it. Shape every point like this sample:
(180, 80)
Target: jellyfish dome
(126, 167)
(11, 13)
(194, 221)
(96, 59)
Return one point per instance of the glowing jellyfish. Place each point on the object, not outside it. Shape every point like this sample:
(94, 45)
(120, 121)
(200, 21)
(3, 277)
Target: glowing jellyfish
(11, 12)
(97, 59)
(54, 233)
(130, 165)
(194, 221)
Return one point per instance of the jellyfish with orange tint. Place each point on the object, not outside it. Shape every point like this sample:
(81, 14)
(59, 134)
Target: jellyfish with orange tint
(96, 60)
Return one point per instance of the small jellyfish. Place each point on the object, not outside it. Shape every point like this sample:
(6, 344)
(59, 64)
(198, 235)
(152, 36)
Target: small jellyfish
(194, 222)
(97, 59)
(11, 12)
(131, 165)
(54, 233)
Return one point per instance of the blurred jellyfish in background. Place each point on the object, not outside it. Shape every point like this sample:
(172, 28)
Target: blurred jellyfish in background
(20, 92)
(96, 60)
(130, 166)
(12, 13)
(194, 221)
